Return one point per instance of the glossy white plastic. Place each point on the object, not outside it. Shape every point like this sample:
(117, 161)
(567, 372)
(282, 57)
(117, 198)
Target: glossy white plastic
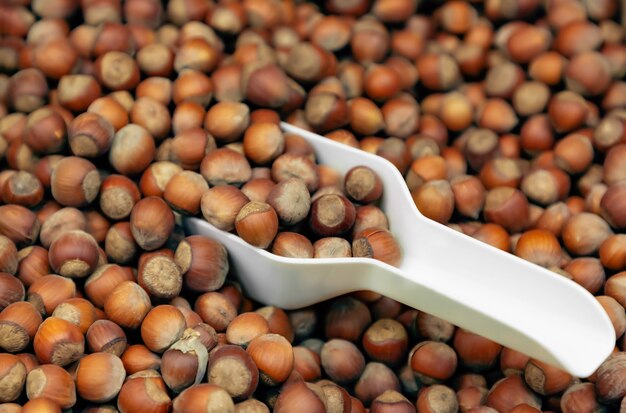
(445, 273)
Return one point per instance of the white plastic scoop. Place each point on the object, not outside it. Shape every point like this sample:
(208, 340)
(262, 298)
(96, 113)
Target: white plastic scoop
(445, 273)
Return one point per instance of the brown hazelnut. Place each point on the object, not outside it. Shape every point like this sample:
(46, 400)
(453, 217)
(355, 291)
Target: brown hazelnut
(216, 310)
(540, 247)
(64, 220)
(610, 378)
(204, 397)
(311, 395)
(225, 167)
(106, 336)
(332, 247)
(579, 395)
(132, 150)
(143, 217)
(291, 200)
(227, 121)
(53, 383)
(375, 380)
(90, 135)
(263, 142)
(127, 305)
(45, 131)
(432, 362)
(435, 200)
(159, 275)
(203, 262)
(232, 368)
(273, 355)
(58, 342)
(257, 224)
(77, 92)
(144, 390)
(245, 327)
(507, 207)
(77, 311)
(48, 291)
(583, 233)
(386, 341)
(119, 244)
(474, 351)
(184, 364)
(293, 245)
(75, 182)
(99, 377)
(137, 358)
(8, 256)
(162, 327)
(18, 324)
(545, 379)
(510, 392)
(365, 117)
(265, 84)
(363, 185)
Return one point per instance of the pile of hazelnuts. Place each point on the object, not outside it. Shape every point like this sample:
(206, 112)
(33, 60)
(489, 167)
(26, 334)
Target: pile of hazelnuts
(302, 199)
(506, 118)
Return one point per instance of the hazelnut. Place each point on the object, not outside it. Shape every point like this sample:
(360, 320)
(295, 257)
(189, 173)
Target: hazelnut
(99, 377)
(58, 342)
(432, 362)
(127, 305)
(332, 215)
(227, 121)
(291, 200)
(203, 262)
(610, 378)
(151, 223)
(48, 291)
(545, 379)
(257, 224)
(310, 394)
(583, 233)
(273, 355)
(204, 397)
(225, 167)
(119, 244)
(332, 247)
(375, 380)
(245, 327)
(386, 341)
(437, 398)
(90, 135)
(132, 150)
(137, 358)
(435, 200)
(74, 182)
(510, 392)
(184, 192)
(159, 275)
(474, 351)
(51, 382)
(216, 310)
(144, 390)
(106, 336)
(162, 327)
(74, 254)
(232, 368)
(184, 364)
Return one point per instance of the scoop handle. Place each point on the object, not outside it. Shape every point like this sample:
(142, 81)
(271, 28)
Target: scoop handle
(500, 296)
